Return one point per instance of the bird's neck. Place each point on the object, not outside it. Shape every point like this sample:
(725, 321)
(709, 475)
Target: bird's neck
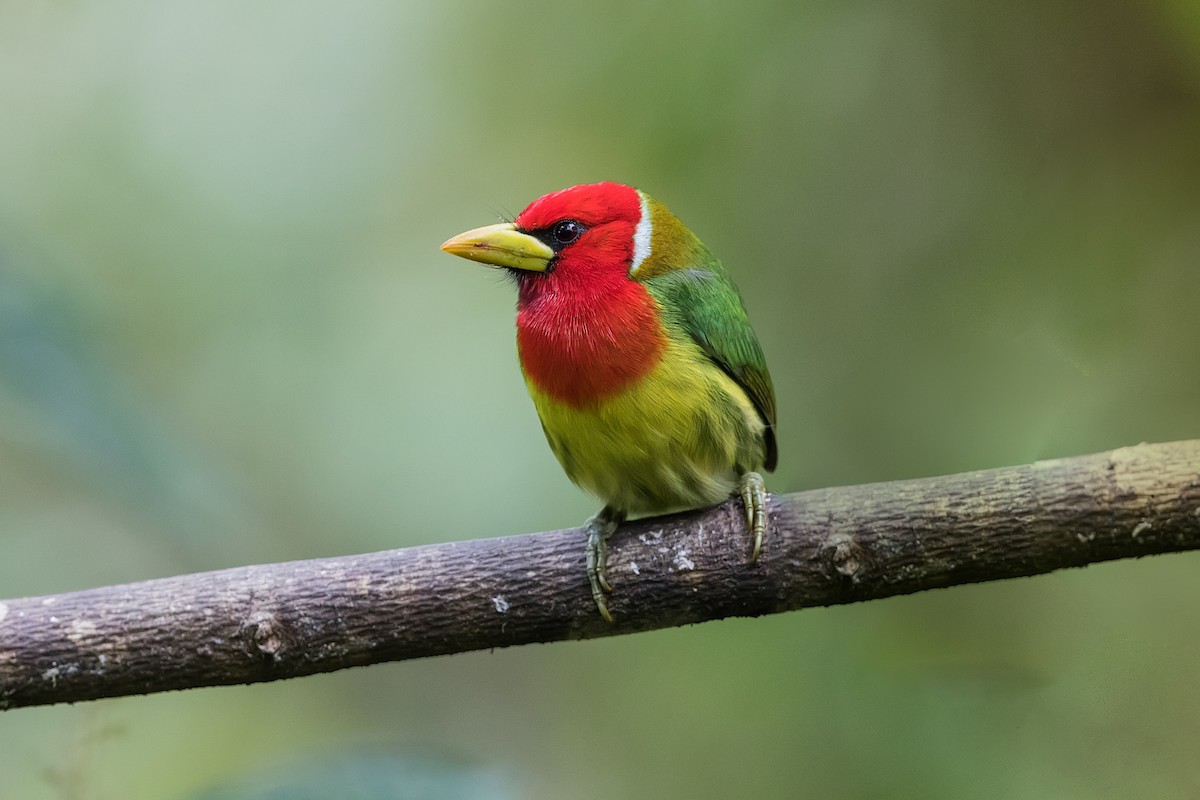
(581, 342)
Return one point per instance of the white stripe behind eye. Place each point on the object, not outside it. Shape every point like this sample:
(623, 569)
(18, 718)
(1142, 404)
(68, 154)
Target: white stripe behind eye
(641, 237)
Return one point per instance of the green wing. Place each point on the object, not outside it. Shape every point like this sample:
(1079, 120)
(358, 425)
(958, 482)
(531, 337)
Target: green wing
(707, 305)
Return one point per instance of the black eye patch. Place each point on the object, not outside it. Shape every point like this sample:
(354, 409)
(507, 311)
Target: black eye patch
(560, 234)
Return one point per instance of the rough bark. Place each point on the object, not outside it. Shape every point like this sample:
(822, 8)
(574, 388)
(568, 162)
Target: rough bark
(829, 546)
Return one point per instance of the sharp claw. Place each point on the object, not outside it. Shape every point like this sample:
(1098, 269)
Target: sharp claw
(602, 606)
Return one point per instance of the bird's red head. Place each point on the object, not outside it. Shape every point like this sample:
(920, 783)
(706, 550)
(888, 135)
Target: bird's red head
(595, 231)
(590, 228)
(586, 327)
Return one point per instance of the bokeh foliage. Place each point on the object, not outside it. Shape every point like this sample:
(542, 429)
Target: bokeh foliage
(968, 235)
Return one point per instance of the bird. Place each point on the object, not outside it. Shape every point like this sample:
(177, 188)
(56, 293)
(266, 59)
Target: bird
(636, 349)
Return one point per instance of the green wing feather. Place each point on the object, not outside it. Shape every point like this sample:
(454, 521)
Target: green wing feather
(706, 303)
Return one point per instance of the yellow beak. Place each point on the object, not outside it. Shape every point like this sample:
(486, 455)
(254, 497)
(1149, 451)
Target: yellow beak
(501, 246)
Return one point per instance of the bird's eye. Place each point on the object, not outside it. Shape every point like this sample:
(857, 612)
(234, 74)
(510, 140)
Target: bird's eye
(566, 231)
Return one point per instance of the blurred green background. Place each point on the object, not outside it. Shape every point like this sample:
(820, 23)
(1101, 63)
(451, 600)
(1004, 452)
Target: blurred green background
(968, 235)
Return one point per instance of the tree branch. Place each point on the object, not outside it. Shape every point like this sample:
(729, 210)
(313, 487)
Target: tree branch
(829, 546)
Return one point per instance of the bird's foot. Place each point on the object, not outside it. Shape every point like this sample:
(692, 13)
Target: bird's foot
(598, 529)
(754, 498)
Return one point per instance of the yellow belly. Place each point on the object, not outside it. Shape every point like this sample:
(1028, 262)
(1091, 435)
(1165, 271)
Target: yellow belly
(681, 437)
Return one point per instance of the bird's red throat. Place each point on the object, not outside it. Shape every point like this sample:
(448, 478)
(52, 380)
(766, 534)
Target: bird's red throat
(583, 338)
